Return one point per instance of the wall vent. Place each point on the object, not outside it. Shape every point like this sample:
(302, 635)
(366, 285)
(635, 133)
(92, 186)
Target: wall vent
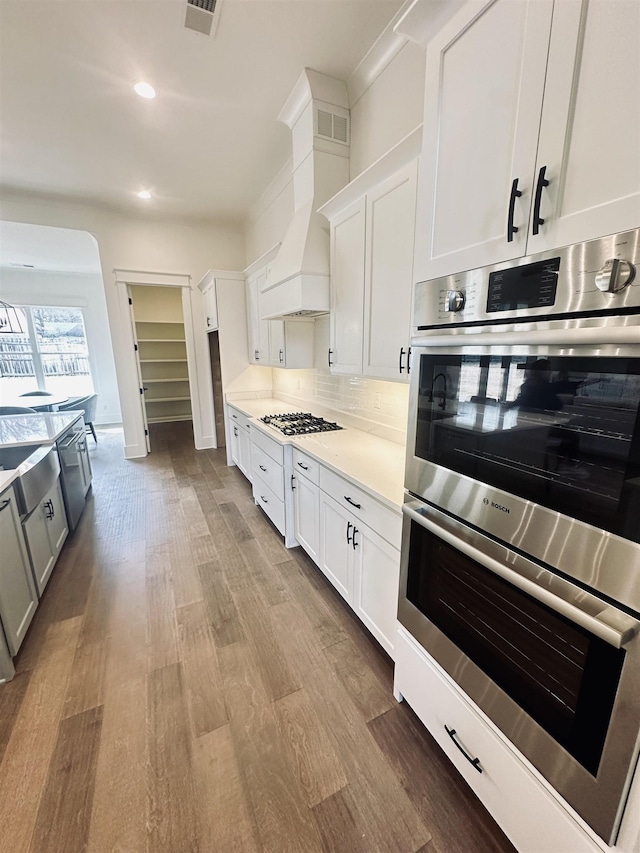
(332, 125)
(202, 16)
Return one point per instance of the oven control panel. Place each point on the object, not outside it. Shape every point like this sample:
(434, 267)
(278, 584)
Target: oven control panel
(587, 279)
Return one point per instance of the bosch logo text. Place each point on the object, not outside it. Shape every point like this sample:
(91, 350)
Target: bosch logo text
(494, 505)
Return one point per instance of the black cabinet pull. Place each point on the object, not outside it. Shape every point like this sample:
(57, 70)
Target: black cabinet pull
(329, 357)
(542, 183)
(400, 365)
(474, 761)
(4, 505)
(262, 468)
(304, 467)
(256, 354)
(409, 361)
(234, 416)
(349, 526)
(263, 499)
(353, 540)
(515, 193)
(281, 356)
(353, 503)
(235, 430)
(293, 482)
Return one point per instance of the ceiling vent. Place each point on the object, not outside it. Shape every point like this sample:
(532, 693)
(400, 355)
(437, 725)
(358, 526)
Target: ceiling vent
(202, 16)
(332, 123)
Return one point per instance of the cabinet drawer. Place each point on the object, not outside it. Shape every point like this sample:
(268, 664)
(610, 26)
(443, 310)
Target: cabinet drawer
(370, 511)
(270, 446)
(264, 468)
(238, 418)
(305, 465)
(534, 820)
(269, 502)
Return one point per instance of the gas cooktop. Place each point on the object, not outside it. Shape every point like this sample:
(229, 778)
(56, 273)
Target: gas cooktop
(299, 423)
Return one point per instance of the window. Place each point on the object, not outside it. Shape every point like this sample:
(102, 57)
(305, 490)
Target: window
(50, 354)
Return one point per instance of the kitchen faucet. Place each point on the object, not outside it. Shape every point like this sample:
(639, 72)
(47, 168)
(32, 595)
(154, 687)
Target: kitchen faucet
(443, 404)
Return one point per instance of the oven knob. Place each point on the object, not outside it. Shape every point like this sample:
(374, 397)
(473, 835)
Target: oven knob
(455, 300)
(615, 275)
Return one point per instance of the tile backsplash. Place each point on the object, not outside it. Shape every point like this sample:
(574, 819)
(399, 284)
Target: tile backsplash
(372, 405)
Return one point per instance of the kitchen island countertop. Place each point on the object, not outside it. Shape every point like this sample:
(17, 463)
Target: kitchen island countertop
(39, 428)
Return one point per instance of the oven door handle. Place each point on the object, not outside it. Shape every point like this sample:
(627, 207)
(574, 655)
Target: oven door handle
(614, 636)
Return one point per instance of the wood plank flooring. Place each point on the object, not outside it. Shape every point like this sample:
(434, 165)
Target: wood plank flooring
(188, 684)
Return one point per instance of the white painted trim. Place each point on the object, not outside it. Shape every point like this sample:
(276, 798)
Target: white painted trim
(380, 54)
(424, 18)
(211, 275)
(384, 167)
(268, 256)
(313, 85)
(159, 279)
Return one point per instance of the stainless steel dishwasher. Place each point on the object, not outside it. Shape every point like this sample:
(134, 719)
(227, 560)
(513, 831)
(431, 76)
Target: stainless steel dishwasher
(75, 470)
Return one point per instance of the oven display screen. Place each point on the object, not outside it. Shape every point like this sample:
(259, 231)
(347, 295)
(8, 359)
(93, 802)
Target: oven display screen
(530, 286)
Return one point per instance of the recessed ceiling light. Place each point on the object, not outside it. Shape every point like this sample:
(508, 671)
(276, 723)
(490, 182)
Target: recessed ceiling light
(144, 194)
(145, 90)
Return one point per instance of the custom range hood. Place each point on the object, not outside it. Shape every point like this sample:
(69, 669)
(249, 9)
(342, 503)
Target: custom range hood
(317, 114)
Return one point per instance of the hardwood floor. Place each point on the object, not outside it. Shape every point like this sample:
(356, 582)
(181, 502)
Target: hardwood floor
(188, 684)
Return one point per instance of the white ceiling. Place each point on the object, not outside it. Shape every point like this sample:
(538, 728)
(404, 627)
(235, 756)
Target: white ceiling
(210, 143)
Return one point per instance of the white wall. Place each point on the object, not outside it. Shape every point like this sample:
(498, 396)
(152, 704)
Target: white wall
(151, 245)
(85, 291)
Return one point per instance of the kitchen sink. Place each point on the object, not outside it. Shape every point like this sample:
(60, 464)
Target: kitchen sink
(38, 469)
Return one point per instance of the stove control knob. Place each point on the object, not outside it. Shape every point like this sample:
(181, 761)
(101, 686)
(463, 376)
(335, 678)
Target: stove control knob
(455, 301)
(615, 275)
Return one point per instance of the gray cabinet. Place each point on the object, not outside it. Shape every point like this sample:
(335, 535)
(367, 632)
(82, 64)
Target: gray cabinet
(18, 597)
(46, 530)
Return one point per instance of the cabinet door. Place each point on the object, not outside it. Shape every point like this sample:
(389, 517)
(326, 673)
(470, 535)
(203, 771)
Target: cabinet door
(306, 515)
(483, 98)
(335, 551)
(258, 329)
(590, 130)
(210, 308)
(18, 598)
(277, 357)
(244, 453)
(40, 552)
(347, 289)
(390, 218)
(376, 579)
(56, 519)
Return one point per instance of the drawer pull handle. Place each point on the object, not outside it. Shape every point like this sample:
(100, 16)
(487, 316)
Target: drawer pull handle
(262, 468)
(474, 761)
(353, 503)
(263, 499)
(349, 526)
(234, 416)
(304, 467)
(4, 505)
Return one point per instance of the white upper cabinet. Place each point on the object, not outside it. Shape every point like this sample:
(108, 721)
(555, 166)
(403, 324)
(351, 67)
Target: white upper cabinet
(210, 308)
(483, 96)
(517, 94)
(347, 289)
(258, 329)
(388, 277)
(590, 132)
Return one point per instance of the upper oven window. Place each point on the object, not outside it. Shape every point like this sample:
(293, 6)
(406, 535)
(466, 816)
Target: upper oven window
(563, 432)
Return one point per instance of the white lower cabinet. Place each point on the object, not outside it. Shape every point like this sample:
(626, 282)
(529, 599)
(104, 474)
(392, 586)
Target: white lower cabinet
(240, 440)
(18, 597)
(46, 530)
(306, 514)
(361, 565)
(526, 810)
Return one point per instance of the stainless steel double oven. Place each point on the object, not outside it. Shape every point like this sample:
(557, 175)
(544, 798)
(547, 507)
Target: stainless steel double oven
(521, 540)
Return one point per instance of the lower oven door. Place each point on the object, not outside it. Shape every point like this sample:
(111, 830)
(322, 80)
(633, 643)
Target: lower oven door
(553, 666)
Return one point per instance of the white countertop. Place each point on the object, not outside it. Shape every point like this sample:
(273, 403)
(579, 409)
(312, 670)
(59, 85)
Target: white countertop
(39, 428)
(7, 478)
(375, 464)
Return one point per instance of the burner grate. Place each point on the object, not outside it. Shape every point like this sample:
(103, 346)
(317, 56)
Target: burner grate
(299, 423)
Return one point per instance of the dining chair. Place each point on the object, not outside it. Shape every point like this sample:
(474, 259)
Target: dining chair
(16, 410)
(88, 405)
(37, 394)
